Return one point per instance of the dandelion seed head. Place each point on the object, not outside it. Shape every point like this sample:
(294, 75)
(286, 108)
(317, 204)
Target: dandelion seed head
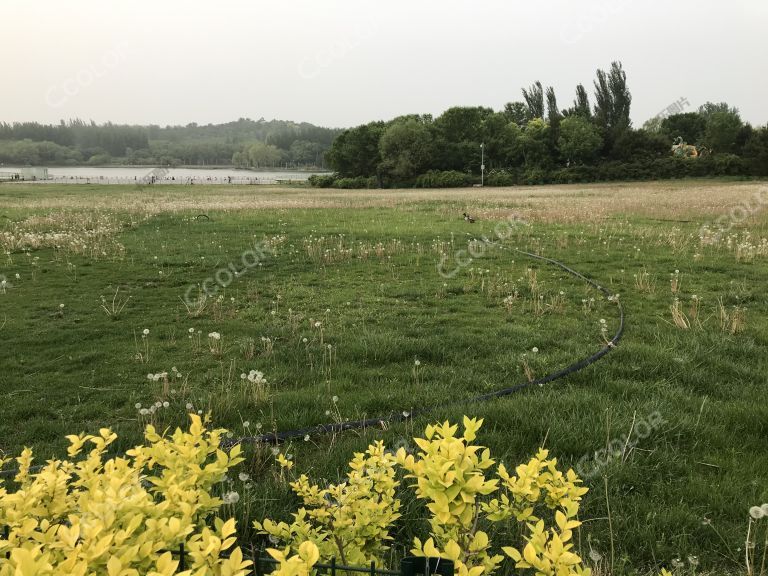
(231, 497)
(756, 512)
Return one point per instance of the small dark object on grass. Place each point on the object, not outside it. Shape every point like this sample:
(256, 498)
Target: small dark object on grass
(468, 218)
(203, 216)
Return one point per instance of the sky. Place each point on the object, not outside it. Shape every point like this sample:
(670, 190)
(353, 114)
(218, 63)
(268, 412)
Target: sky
(342, 63)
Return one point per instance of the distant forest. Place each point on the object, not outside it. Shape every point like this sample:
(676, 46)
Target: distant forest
(535, 141)
(245, 143)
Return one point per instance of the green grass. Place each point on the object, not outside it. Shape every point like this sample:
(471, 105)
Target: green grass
(685, 488)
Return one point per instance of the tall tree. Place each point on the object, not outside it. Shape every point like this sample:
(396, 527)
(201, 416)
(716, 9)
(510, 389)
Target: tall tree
(613, 99)
(553, 113)
(603, 101)
(534, 100)
(612, 104)
(581, 103)
(621, 97)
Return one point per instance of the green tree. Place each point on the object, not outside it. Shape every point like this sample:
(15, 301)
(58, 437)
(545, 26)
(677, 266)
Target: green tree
(722, 131)
(690, 126)
(709, 108)
(406, 150)
(306, 153)
(262, 155)
(641, 144)
(517, 112)
(579, 140)
(756, 151)
(355, 152)
(459, 131)
(534, 144)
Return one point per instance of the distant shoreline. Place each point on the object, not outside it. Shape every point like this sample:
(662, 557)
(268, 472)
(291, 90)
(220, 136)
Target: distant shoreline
(180, 166)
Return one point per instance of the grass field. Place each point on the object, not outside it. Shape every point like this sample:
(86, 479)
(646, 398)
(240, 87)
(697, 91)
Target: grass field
(345, 311)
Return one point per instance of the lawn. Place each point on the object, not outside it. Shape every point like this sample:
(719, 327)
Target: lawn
(358, 304)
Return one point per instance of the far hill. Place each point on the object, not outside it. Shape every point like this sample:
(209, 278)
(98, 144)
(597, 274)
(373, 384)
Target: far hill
(244, 143)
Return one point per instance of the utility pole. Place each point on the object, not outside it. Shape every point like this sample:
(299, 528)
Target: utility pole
(482, 164)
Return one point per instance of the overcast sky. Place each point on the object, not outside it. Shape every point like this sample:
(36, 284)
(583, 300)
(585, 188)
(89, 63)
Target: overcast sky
(346, 62)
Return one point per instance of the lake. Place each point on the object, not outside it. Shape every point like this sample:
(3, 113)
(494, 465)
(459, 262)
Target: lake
(131, 174)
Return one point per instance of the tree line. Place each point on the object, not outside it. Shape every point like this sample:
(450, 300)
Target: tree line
(244, 143)
(534, 141)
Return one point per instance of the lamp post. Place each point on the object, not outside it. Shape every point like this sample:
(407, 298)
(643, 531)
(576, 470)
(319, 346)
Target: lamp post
(482, 164)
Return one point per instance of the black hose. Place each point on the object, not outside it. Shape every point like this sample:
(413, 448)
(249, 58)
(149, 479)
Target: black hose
(335, 427)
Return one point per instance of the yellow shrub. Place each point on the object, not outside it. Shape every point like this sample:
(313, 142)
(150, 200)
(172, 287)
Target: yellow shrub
(121, 516)
(349, 521)
(450, 474)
